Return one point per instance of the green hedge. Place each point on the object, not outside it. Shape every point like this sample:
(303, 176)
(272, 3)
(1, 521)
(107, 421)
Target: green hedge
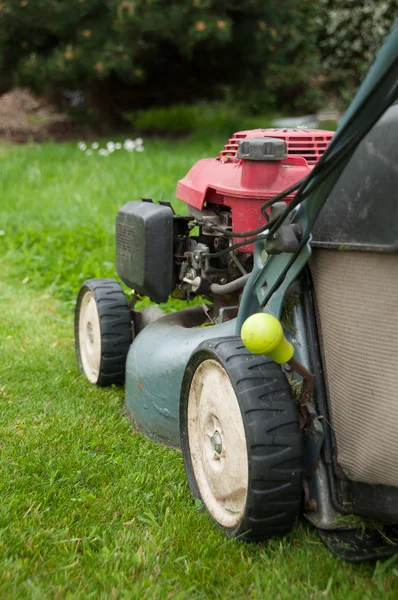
(351, 34)
(129, 54)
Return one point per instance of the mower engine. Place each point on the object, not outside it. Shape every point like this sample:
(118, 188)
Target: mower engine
(159, 254)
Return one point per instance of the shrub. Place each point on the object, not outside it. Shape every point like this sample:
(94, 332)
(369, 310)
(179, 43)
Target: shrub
(128, 54)
(351, 34)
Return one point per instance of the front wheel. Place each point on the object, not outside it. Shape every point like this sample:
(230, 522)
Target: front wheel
(103, 331)
(241, 440)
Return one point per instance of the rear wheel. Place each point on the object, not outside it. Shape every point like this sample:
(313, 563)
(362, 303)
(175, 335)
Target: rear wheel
(241, 440)
(103, 331)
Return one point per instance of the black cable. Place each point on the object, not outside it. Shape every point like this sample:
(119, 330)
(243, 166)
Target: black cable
(247, 242)
(302, 183)
(276, 198)
(334, 159)
(273, 225)
(304, 192)
(329, 160)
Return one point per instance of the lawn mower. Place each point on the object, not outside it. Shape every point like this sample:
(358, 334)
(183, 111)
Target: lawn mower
(281, 389)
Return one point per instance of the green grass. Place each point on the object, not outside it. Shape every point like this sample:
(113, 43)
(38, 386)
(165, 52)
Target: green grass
(211, 118)
(58, 206)
(90, 508)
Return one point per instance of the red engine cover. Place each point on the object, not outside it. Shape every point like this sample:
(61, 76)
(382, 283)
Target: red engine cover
(245, 185)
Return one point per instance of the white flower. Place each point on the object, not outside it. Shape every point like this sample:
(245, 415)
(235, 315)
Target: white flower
(89, 152)
(129, 145)
(118, 146)
(94, 145)
(110, 147)
(139, 142)
(82, 146)
(2, 232)
(140, 148)
(103, 152)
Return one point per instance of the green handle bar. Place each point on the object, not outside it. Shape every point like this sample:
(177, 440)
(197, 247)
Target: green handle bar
(272, 275)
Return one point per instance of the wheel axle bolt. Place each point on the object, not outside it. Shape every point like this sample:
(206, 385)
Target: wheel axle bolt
(216, 442)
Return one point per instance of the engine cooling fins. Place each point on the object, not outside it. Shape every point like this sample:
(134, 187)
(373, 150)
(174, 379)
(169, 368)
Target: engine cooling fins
(359, 545)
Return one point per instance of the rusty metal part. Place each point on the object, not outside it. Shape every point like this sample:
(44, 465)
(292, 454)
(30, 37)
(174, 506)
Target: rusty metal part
(301, 370)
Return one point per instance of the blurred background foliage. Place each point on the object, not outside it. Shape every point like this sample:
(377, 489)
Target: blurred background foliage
(350, 34)
(109, 59)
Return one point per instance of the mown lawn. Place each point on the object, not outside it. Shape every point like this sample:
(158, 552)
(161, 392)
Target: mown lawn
(88, 507)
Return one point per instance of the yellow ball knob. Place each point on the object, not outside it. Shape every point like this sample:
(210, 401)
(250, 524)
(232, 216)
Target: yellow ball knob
(263, 334)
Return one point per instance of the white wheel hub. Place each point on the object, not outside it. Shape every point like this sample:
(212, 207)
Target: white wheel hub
(217, 443)
(90, 337)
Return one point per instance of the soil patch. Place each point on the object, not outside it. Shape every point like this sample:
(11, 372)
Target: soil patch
(26, 118)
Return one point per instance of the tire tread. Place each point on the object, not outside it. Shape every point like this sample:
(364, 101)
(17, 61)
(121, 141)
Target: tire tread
(275, 471)
(116, 328)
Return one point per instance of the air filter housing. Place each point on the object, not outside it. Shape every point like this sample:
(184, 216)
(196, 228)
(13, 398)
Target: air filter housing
(144, 249)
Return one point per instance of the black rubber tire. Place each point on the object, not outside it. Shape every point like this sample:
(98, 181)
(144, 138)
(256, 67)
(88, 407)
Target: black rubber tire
(273, 438)
(115, 329)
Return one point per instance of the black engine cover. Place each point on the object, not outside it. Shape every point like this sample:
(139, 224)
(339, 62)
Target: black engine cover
(144, 249)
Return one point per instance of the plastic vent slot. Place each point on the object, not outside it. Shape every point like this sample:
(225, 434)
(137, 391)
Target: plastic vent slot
(307, 143)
